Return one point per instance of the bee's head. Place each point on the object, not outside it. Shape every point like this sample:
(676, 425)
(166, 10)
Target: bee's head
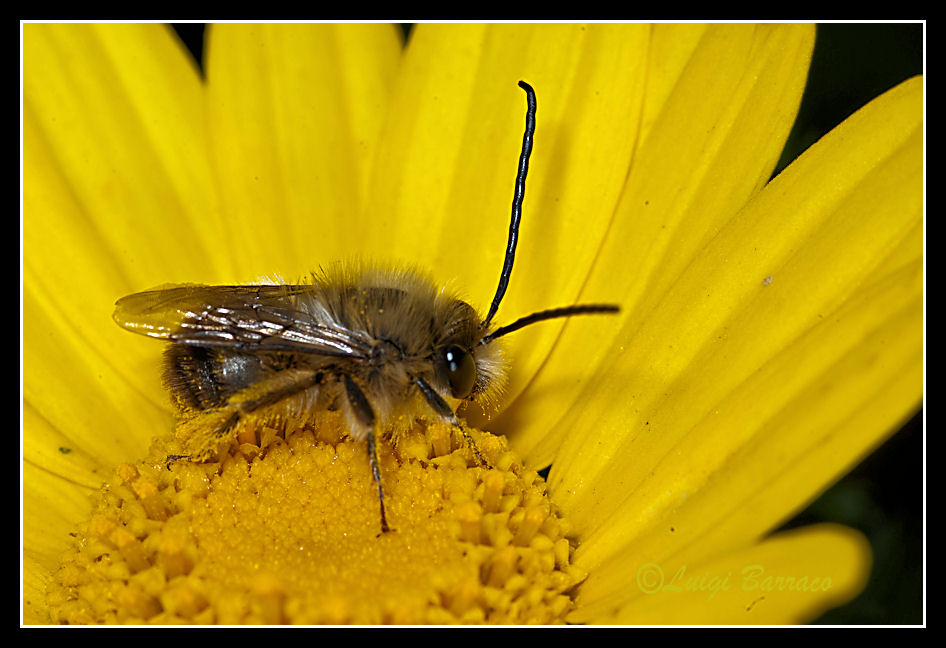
(468, 360)
(468, 369)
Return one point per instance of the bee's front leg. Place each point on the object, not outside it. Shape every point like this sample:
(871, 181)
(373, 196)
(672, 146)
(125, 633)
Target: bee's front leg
(444, 411)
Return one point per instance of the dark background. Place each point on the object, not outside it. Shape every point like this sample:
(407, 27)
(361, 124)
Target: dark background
(883, 497)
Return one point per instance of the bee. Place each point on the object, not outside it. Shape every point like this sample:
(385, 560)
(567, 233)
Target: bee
(381, 344)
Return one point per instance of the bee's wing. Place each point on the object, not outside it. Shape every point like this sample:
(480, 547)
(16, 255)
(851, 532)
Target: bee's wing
(261, 318)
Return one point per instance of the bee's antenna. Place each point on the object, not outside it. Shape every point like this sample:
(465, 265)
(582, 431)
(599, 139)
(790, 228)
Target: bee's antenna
(552, 313)
(516, 202)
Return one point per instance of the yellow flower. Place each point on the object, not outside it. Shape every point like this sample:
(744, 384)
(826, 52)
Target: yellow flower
(770, 333)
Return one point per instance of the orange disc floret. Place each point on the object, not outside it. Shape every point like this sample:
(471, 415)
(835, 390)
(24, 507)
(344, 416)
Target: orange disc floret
(287, 531)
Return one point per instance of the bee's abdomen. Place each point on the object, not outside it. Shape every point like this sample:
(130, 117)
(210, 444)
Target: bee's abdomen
(201, 378)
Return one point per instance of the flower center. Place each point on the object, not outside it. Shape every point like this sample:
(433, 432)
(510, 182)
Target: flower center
(291, 534)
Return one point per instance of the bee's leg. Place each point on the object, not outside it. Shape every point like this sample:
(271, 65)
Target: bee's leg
(361, 408)
(235, 411)
(280, 392)
(443, 409)
(170, 459)
(203, 433)
(228, 425)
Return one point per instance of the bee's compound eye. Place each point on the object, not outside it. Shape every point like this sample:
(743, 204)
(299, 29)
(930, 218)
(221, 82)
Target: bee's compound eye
(461, 370)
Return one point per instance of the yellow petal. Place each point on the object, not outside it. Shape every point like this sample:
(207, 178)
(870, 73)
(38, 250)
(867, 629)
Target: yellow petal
(114, 167)
(78, 391)
(116, 118)
(789, 349)
(294, 113)
(709, 144)
(789, 578)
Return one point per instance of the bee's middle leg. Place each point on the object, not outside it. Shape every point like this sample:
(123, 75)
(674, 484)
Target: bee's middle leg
(362, 411)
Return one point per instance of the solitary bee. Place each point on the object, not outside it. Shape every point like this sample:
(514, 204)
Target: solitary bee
(382, 344)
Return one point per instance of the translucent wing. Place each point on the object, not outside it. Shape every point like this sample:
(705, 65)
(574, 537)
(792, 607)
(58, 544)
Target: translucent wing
(265, 318)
